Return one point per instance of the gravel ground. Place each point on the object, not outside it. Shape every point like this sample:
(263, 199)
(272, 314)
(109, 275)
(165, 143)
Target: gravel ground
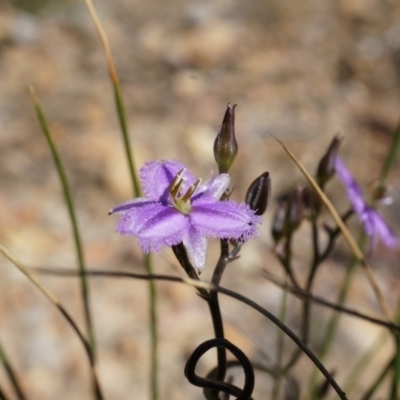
(300, 70)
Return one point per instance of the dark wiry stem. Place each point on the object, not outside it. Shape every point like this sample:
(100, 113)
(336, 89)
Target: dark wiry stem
(206, 286)
(212, 300)
(318, 258)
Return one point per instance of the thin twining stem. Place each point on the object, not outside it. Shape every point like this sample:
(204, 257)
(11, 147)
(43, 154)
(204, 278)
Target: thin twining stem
(280, 340)
(333, 323)
(317, 260)
(215, 309)
(319, 300)
(333, 235)
(213, 304)
(214, 385)
(208, 286)
(222, 262)
(286, 260)
(346, 234)
(306, 305)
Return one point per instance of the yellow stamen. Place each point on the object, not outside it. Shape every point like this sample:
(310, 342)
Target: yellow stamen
(182, 204)
(190, 191)
(176, 184)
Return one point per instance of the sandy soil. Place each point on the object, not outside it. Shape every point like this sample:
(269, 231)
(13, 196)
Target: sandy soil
(300, 70)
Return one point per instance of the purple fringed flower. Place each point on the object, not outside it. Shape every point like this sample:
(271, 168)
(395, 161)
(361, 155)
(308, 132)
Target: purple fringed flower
(180, 209)
(374, 224)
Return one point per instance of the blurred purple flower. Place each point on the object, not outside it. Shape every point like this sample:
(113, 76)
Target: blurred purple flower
(180, 209)
(374, 224)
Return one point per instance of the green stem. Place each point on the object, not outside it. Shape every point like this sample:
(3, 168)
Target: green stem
(306, 313)
(153, 330)
(318, 258)
(391, 158)
(125, 135)
(394, 395)
(334, 321)
(2, 395)
(394, 392)
(363, 363)
(389, 162)
(204, 287)
(11, 375)
(379, 380)
(76, 235)
(53, 300)
(137, 192)
(147, 261)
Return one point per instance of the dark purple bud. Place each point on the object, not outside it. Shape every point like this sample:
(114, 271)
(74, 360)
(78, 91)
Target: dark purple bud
(225, 145)
(278, 223)
(326, 167)
(259, 193)
(312, 202)
(294, 211)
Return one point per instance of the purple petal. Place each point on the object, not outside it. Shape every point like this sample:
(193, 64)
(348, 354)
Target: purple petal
(374, 224)
(214, 187)
(155, 225)
(156, 177)
(382, 229)
(354, 192)
(224, 219)
(367, 219)
(196, 248)
(131, 204)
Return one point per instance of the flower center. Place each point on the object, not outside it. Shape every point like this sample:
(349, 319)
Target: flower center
(182, 203)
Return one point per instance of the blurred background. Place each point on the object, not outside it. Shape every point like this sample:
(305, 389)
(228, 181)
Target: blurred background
(301, 70)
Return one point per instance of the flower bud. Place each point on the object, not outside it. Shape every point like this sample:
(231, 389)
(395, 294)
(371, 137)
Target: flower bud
(326, 166)
(312, 202)
(279, 223)
(259, 193)
(294, 211)
(225, 145)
